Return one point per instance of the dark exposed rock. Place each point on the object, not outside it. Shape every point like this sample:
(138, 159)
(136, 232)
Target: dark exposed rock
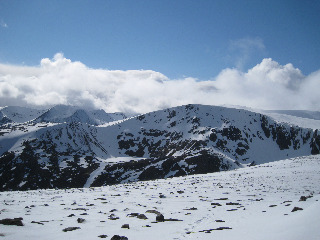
(151, 173)
(252, 164)
(142, 216)
(315, 143)
(80, 220)
(125, 226)
(215, 229)
(220, 221)
(232, 133)
(113, 217)
(133, 214)
(303, 198)
(103, 236)
(80, 209)
(172, 220)
(222, 228)
(191, 209)
(216, 204)
(12, 221)
(160, 218)
(68, 229)
(232, 203)
(117, 237)
(40, 223)
(296, 209)
(153, 211)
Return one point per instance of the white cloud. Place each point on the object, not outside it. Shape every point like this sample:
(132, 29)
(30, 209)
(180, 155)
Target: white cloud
(242, 50)
(268, 85)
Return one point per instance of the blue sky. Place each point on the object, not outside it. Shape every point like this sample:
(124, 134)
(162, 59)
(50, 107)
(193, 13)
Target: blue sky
(177, 38)
(260, 54)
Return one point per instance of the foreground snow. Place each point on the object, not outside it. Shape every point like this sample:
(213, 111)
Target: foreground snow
(256, 203)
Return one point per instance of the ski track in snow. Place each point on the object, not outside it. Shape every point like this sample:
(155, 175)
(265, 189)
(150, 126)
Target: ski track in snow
(254, 202)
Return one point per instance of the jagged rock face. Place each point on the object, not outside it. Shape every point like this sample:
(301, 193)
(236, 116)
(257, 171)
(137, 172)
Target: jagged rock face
(74, 150)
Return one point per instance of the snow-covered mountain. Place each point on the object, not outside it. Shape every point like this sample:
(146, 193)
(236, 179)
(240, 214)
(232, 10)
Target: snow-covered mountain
(72, 147)
(64, 113)
(18, 114)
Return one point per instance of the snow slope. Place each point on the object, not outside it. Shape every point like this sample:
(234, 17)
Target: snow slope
(249, 203)
(304, 119)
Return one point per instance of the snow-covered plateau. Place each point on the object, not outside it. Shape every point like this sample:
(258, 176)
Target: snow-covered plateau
(276, 200)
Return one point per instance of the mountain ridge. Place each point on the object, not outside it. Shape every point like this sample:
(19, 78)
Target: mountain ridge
(75, 150)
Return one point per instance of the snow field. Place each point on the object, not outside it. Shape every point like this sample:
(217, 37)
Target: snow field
(248, 203)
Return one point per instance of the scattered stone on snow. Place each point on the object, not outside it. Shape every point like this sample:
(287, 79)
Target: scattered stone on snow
(127, 226)
(215, 229)
(303, 199)
(116, 195)
(113, 217)
(80, 209)
(296, 209)
(232, 203)
(133, 215)
(117, 237)
(160, 218)
(69, 229)
(222, 228)
(142, 216)
(216, 204)
(103, 236)
(172, 220)
(222, 199)
(103, 199)
(12, 221)
(40, 223)
(80, 220)
(191, 209)
(153, 211)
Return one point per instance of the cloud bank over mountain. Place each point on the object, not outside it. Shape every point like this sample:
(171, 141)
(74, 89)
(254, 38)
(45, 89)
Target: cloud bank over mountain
(267, 85)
